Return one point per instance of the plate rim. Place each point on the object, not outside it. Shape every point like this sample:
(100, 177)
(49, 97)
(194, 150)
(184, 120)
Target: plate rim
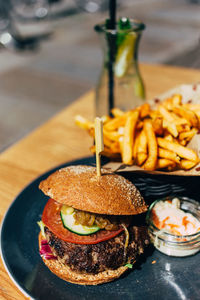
(50, 170)
(22, 290)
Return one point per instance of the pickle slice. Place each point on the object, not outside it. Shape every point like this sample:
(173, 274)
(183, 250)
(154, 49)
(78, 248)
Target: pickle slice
(68, 221)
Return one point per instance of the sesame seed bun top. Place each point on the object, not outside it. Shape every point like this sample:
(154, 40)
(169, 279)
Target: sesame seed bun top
(79, 187)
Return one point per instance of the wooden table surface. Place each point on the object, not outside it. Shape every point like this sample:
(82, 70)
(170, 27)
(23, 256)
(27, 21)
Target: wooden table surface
(59, 140)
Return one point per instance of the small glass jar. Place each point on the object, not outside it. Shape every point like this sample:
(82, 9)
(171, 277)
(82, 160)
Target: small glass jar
(169, 243)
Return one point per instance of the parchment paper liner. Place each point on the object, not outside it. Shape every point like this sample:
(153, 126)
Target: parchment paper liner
(189, 92)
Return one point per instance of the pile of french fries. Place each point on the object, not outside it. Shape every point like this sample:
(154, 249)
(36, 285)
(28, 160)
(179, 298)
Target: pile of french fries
(153, 139)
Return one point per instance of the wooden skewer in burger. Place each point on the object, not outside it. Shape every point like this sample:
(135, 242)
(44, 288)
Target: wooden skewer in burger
(87, 234)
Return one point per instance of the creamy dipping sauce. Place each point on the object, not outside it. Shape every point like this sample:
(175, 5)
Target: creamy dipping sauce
(168, 216)
(174, 226)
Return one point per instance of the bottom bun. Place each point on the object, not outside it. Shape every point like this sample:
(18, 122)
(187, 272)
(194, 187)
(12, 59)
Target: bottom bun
(65, 273)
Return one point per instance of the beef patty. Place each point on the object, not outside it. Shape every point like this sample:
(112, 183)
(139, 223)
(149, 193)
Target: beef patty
(99, 257)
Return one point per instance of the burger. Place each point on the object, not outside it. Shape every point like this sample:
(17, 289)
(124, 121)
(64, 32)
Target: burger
(90, 232)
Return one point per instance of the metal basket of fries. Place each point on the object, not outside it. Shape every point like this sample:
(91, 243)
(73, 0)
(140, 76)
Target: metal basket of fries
(153, 187)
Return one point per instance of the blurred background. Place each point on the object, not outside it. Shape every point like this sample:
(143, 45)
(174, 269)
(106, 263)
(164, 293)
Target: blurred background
(50, 54)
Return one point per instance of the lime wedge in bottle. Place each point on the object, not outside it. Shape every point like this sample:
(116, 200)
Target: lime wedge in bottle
(125, 54)
(139, 88)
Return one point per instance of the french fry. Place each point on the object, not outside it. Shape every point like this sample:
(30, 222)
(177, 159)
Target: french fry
(192, 106)
(167, 103)
(116, 112)
(83, 122)
(141, 158)
(168, 137)
(176, 141)
(176, 99)
(107, 142)
(93, 149)
(171, 127)
(164, 153)
(163, 163)
(172, 120)
(115, 148)
(181, 123)
(178, 149)
(112, 146)
(112, 135)
(170, 102)
(187, 164)
(150, 163)
(168, 121)
(144, 110)
(105, 119)
(135, 144)
(106, 152)
(188, 135)
(140, 125)
(187, 114)
(179, 120)
(158, 125)
(129, 134)
(115, 123)
(142, 146)
(165, 114)
(121, 144)
(183, 142)
(171, 168)
(197, 112)
(154, 114)
(183, 127)
(141, 151)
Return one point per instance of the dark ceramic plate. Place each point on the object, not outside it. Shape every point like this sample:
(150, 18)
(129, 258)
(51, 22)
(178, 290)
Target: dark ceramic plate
(166, 278)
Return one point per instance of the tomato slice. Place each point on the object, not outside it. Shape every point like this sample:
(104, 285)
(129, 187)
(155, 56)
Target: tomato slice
(51, 218)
